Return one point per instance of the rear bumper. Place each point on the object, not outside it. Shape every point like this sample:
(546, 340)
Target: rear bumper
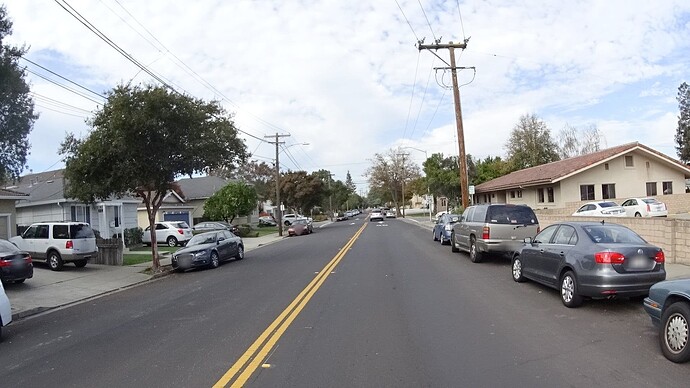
(78, 256)
(626, 285)
(10, 274)
(499, 247)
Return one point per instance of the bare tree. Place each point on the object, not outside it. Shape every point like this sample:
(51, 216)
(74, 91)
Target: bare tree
(387, 174)
(573, 141)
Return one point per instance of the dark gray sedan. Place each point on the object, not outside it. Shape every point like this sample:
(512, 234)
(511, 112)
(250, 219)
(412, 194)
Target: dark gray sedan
(590, 259)
(15, 264)
(208, 250)
(668, 304)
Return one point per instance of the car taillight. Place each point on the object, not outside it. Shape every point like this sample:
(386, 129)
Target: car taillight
(660, 257)
(538, 229)
(649, 208)
(609, 258)
(69, 244)
(180, 231)
(5, 263)
(486, 233)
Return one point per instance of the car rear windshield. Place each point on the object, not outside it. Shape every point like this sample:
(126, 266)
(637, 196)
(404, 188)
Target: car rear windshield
(607, 204)
(180, 225)
(81, 231)
(612, 234)
(650, 201)
(521, 215)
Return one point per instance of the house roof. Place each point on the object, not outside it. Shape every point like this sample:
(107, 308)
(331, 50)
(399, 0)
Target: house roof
(201, 187)
(11, 194)
(559, 170)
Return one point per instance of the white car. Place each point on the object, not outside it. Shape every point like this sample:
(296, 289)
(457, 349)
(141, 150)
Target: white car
(172, 233)
(600, 209)
(644, 207)
(376, 214)
(5, 310)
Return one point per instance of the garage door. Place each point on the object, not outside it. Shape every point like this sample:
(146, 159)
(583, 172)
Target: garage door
(176, 216)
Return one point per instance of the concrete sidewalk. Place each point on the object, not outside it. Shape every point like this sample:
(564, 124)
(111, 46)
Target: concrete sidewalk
(49, 289)
(673, 270)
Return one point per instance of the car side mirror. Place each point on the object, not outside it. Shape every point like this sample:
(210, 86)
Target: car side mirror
(528, 240)
(221, 239)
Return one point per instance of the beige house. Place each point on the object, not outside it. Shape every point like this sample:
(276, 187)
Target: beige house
(8, 212)
(629, 170)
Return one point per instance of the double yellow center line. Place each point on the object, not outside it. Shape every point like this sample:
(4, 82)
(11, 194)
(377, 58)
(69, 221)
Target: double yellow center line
(258, 351)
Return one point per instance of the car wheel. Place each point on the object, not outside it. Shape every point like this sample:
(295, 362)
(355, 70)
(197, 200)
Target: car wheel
(673, 336)
(19, 281)
(55, 261)
(215, 262)
(453, 243)
(240, 253)
(638, 214)
(434, 234)
(80, 263)
(517, 270)
(287, 223)
(475, 256)
(171, 241)
(569, 295)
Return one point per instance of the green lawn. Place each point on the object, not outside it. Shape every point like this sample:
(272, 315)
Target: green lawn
(263, 231)
(164, 248)
(135, 258)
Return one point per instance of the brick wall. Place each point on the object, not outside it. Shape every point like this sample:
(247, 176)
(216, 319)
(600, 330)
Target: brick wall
(672, 235)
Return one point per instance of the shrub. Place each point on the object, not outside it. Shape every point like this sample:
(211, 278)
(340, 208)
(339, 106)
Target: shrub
(133, 236)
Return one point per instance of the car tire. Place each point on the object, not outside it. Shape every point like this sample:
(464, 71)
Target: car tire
(517, 267)
(19, 281)
(674, 332)
(434, 234)
(55, 261)
(287, 223)
(171, 241)
(475, 256)
(80, 263)
(240, 253)
(568, 289)
(638, 214)
(215, 261)
(453, 243)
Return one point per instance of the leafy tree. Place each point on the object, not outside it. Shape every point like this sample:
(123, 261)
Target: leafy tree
(236, 199)
(578, 141)
(258, 174)
(443, 175)
(683, 130)
(301, 191)
(387, 174)
(349, 184)
(530, 143)
(17, 115)
(491, 168)
(141, 140)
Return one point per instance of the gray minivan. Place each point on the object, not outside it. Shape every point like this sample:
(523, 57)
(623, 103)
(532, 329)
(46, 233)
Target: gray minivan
(493, 229)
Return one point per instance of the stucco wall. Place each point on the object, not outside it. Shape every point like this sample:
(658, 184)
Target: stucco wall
(672, 235)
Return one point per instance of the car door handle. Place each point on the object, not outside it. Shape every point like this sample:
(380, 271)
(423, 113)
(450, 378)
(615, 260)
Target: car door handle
(562, 253)
(541, 251)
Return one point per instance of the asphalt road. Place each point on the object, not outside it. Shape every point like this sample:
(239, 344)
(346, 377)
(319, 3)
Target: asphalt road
(392, 309)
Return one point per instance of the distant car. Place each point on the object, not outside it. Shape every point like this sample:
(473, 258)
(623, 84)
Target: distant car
(600, 209)
(215, 225)
(208, 249)
(5, 310)
(58, 242)
(590, 259)
(390, 213)
(341, 217)
(376, 214)
(668, 304)
(15, 264)
(289, 218)
(267, 221)
(172, 233)
(300, 226)
(644, 207)
(444, 227)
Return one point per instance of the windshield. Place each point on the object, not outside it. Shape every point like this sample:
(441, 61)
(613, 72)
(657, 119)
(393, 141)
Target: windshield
(180, 225)
(204, 238)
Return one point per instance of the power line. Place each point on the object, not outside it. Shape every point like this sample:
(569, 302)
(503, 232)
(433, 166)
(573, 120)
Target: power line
(408, 22)
(462, 25)
(64, 87)
(427, 21)
(64, 78)
(419, 112)
(414, 85)
(59, 103)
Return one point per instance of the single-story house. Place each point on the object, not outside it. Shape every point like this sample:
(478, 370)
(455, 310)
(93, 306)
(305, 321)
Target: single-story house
(46, 201)
(628, 170)
(8, 212)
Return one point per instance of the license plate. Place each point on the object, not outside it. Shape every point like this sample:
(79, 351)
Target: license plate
(637, 262)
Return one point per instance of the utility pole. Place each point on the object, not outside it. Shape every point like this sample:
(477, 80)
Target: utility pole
(458, 112)
(277, 142)
(403, 182)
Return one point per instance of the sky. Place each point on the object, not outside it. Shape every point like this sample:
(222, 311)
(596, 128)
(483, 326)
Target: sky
(345, 79)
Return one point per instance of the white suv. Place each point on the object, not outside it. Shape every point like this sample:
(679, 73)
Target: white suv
(59, 242)
(172, 233)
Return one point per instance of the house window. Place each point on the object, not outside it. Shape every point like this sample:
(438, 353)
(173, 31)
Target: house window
(81, 213)
(586, 192)
(519, 193)
(540, 195)
(608, 190)
(629, 161)
(647, 163)
(651, 188)
(549, 194)
(512, 194)
(606, 166)
(667, 187)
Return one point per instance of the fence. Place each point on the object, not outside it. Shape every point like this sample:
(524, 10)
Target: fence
(109, 251)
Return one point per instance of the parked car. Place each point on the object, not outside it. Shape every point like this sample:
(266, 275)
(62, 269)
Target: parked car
(390, 213)
(299, 227)
(341, 217)
(444, 227)
(668, 304)
(172, 233)
(267, 221)
(215, 225)
(208, 249)
(496, 229)
(590, 259)
(5, 310)
(600, 209)
(58, 243)
(644, 207)
(439, 214)
(15, 264)
(376, 214)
